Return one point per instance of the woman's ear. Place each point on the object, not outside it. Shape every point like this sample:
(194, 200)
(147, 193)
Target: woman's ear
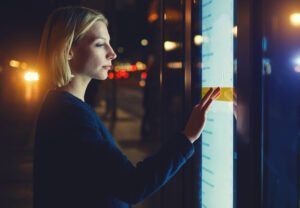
(70, 55)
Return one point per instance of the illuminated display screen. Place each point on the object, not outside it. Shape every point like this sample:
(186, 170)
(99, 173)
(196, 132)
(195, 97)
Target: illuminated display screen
(217, 170)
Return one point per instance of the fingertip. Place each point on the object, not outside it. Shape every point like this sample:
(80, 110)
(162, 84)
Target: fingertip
(217, 96)
(197, 106)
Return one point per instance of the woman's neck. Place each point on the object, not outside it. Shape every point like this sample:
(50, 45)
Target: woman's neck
(77, 87)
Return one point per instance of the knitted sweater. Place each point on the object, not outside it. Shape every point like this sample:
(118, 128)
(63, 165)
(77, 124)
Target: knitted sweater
(77, 162)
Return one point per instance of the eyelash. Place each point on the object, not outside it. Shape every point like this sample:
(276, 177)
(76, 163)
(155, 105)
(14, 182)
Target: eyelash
(99, 45)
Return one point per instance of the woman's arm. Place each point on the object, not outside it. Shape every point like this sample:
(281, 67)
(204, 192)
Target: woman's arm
(91, 155)
(110, 168)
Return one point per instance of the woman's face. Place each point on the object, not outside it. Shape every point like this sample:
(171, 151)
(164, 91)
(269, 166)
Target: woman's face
(92, 55)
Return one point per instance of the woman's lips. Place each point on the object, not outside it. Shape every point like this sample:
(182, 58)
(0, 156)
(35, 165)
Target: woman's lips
(108, 67)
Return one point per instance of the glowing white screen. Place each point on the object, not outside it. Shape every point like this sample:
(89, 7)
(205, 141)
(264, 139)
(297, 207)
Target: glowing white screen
(217, 70)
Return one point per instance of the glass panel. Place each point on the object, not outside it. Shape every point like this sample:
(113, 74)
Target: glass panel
(173, 80)
(173, 90)
(281, 103)
(215, 67)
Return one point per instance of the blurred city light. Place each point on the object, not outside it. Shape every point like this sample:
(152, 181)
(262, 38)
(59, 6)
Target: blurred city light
(14, 63)
(297, 64)
(175, 65)
(295, 19)
(297, 61)
(297, 69)
(198, 39)
(265, 44)
(118, 75)
(122, 74)
(126, 66)
(140, 66)
(133, 68)
(267, 66)
(142, 83)
(173, 15)
(235, 31)
(111, 75)
(24, 65)
(170, 45)
(123, 66)
(31, 76)
(152, 17)
(144, 75)
(144, 42)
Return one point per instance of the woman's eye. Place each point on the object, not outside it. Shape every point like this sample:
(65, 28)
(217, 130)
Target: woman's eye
(99, 45)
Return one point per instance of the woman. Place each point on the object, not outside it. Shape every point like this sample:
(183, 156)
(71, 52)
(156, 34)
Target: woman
(77, 163)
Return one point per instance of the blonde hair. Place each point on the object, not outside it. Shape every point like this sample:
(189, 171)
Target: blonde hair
(65, 26)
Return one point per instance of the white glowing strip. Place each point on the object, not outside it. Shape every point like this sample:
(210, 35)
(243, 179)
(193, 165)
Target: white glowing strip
(217, 70)
(31, 76)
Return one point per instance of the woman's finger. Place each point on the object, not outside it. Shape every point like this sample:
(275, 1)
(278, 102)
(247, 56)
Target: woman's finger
(214, 96)
(206, 97)
(207, 106)
(216, 93)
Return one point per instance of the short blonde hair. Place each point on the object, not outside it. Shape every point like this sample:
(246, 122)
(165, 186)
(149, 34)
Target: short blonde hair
(65, 26)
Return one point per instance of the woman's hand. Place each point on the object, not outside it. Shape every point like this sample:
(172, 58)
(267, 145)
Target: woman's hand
(197, 118)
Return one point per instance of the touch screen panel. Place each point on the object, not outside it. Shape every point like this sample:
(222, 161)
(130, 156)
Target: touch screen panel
(217, 170)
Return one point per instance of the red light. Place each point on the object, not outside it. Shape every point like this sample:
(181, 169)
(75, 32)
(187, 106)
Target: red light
(126, 75)
(118, 75)
(133, 68)
(122, 73)
(144, 75)
(111, 75)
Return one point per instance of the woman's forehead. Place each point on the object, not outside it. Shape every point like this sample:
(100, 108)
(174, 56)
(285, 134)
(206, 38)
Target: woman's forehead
(98, 30)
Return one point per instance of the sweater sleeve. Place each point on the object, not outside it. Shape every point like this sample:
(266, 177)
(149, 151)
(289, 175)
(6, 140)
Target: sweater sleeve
(107, 165)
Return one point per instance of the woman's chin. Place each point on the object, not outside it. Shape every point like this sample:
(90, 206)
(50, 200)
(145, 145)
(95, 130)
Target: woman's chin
(102, 76)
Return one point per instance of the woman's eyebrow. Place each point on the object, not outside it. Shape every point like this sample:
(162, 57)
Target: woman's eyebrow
(99, 37)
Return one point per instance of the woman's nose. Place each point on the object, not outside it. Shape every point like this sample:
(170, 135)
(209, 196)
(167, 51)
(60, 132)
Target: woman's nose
(111, 54)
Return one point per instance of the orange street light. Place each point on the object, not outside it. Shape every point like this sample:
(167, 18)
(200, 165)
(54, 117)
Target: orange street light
(170, 45)
(14, 63)
(24, 65)
(295, 19)
(31, 76)
(198, 39)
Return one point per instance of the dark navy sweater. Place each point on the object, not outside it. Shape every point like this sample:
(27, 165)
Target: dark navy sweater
(77, 163)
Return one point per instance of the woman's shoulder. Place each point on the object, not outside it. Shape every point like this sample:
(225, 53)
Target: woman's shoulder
(63, 107)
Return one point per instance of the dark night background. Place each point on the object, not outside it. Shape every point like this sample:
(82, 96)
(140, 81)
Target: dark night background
(22, 22)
